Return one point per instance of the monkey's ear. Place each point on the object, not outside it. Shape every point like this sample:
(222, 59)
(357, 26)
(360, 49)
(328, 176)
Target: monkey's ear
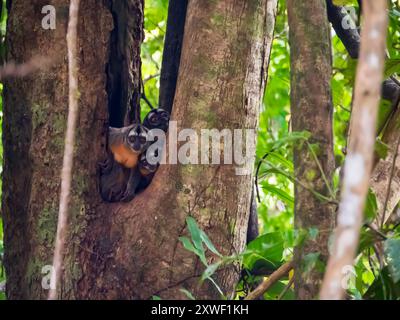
(118, 131)
(114, 133)
(113, 130)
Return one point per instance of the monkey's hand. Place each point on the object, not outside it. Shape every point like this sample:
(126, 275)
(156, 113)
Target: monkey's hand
(132, 185)
(157, 119)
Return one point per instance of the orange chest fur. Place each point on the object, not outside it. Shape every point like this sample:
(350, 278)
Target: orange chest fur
(125, 156)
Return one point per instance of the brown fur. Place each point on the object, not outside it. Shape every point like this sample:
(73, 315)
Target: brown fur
(125, 156)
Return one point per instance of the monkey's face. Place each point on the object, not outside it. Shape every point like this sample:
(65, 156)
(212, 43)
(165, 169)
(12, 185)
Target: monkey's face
(137, 138)
(145, 167)
(157, 119)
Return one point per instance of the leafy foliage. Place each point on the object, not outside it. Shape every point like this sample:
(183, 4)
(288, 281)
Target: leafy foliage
(3, 17)
(196, 244)
(392, 250)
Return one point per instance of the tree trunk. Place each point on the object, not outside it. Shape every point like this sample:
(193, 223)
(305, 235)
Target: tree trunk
(311, 108)
(35, 111)
(128, 251)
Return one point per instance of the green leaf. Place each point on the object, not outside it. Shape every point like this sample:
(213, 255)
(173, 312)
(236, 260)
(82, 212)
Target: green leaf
(188, 294)
(281, 194)
(195, 233)
(313, 233)
(210, 270)
(296, 136)
(383, 287)
(343, 2)
(276, 290)
(281, 160)
(395, 13)
(296, 237)
(337, 92)
(392, 66)
(367, 239)
(187, 244)
(384, 111)
(268, 247)
(217, 287)
(371, 206)
(392, 252)
(209, 244)
(381, 149)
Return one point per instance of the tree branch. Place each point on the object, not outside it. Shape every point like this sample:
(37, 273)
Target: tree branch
(172, 52)
(349, 37)
(268, 283)
(66, 173)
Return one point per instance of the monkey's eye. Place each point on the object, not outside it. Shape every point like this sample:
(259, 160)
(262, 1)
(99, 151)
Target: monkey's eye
(153, 119)
(142, 140)
(131, 139)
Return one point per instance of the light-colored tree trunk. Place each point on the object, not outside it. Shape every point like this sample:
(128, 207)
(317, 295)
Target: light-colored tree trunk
(311, 110)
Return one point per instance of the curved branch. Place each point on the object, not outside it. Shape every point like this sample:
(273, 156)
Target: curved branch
(349, 36)
(172, 52)
(66, 173)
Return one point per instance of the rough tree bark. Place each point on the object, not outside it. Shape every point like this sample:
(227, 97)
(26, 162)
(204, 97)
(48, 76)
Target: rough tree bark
(132, 250)
(35, 111)
(311, 108)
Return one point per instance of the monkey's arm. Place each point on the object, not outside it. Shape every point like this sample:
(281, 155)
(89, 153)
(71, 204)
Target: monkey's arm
(145, 181)
(118, 183)
(131, 186)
